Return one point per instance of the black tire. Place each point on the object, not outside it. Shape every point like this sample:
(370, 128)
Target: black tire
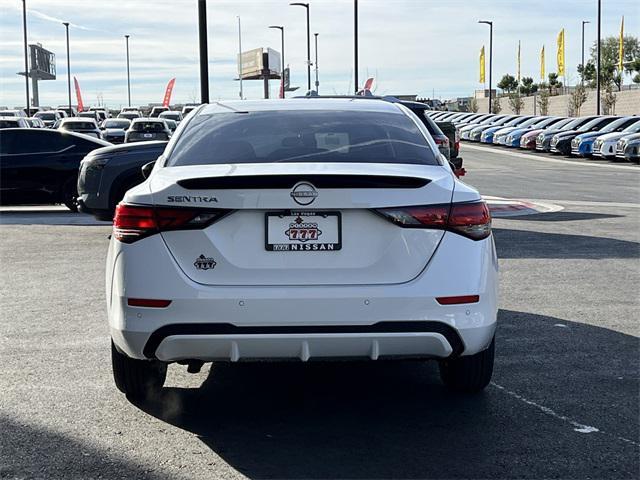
(137, 379)
(70, 194)
(469, 374)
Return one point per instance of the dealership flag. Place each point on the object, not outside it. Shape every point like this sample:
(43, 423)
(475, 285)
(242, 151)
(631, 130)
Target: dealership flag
(561, 53)
(542, 72)
(78, 95)
(518, 61)
(167, 93)
(482, 80)
(621, 46)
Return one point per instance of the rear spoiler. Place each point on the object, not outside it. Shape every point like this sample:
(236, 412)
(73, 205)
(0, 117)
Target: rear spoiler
(252, 182)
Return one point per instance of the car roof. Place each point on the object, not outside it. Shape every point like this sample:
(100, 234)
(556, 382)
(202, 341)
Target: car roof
(306, 103)
(77, 119)
(147, 120)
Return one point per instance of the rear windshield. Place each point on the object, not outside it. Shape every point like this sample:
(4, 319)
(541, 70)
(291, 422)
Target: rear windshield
(302, 136)
(147, 127)
(46, 116)
(78, 126)
(8, 123)
(116, 124)
(172, 115)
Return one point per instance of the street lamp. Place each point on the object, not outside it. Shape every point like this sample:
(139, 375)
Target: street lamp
(317, 82)
(490, 54)
(281, 28)
(583, 23)
(128, 75)
(306, 5)
(66, 26)
(26, 61)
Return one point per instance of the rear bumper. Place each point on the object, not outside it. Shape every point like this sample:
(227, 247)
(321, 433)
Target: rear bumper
(295, 322)
(228, 342)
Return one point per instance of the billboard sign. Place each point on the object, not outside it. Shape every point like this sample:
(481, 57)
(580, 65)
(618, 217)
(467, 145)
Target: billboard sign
(251, 64)
(43, 63)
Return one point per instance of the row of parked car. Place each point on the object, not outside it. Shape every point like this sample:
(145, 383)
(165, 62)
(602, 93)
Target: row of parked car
(121, 129)
(600, 136)
(87, 173)
(40, 163)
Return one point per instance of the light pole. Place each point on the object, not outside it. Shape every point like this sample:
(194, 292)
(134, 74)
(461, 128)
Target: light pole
(128, 75)
(598, 61)
(240, 57)
(490, 54)
(66, 26)
(355, 43)
(316, 65)
(26, 61)
(583, 23)
(306, 5)
(281, 28)
(204, 53)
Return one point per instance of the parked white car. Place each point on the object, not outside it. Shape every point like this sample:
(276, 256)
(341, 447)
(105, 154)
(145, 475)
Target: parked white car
(605, 145)
(303, 229)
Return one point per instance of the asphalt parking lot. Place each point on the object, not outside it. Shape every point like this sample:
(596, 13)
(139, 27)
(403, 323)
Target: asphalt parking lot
(563, 402)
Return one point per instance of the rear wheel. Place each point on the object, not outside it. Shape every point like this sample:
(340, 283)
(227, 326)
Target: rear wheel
(70, 194)
(137, 379)
(469, 374)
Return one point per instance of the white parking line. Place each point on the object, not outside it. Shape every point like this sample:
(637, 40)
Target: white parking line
(577, 427)
(539, 158)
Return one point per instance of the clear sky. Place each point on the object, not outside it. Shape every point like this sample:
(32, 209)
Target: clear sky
(411, 46)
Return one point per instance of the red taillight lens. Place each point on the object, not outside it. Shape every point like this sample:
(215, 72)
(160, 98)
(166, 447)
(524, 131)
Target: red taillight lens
(418, 217)
(472, 220)
(133, 222)
(469, 219)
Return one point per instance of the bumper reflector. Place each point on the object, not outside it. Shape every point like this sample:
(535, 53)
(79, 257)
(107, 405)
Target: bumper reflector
(458, 300)
(148, 302)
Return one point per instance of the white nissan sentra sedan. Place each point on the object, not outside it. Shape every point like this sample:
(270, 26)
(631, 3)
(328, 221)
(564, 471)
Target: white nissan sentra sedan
(304, 229)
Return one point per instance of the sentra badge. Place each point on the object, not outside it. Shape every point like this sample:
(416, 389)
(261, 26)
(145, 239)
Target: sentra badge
(204, 263)
(303, 231)
(190, 199)
(304, 193)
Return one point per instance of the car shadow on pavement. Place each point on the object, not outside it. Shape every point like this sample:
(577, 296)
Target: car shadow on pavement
(512, 243)
(395, 419)
(27, 451)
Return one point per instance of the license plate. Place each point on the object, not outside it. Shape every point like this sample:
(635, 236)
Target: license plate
(147, 135)
(302, 231)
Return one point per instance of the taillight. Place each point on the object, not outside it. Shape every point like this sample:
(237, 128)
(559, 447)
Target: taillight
(471, 220)
(133, 222)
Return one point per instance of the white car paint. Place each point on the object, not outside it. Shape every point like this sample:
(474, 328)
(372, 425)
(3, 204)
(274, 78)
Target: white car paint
(384, 273)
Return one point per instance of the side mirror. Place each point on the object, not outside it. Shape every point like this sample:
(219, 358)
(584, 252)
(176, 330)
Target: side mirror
(146, 169)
